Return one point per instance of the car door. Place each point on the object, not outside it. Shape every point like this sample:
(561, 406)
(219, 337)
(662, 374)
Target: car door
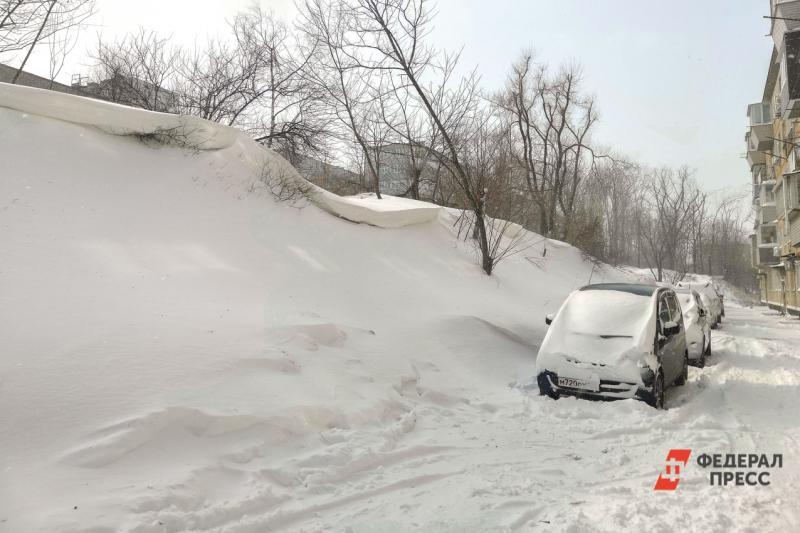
(677, 341)
(665, 343)
(703, 312)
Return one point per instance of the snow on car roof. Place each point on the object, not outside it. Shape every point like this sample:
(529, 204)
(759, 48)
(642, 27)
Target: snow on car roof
(633, 288)
(685, 297)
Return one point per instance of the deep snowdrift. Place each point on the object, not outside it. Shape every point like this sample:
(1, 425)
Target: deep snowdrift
(167, 327)
(178, 351)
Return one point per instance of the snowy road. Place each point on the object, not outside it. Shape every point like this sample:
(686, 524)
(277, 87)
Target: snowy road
(515, 461)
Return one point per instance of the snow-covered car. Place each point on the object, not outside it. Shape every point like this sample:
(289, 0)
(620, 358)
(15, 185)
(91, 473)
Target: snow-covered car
(696, 322)
(710, 298)
(614, 341)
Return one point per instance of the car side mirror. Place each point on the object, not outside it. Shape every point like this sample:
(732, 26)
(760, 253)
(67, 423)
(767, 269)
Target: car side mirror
(548, 319)
(671, 328)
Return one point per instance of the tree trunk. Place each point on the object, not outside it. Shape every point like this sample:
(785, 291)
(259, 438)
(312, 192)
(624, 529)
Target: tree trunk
(544, 229)
(487, 262)
(35, 40)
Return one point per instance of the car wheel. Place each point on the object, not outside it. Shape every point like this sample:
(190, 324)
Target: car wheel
(656, 399)
(544, 387)
(685, 372)
(702, 361)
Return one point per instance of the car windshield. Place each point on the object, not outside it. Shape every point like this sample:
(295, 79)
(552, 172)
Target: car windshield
(604, 313)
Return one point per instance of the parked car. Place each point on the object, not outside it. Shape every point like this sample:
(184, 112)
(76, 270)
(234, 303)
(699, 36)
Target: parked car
(711, 299)
(698, 328)
(613, 341)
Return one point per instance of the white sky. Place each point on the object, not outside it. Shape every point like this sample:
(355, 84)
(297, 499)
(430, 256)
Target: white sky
(672, 78)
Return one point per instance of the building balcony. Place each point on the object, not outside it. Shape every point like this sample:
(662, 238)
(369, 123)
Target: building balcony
(790, 108)
(759, 173)
(760, 121)
(762, 253)
(765, 256)
(754, 155)
(766, 215)
(790, 90)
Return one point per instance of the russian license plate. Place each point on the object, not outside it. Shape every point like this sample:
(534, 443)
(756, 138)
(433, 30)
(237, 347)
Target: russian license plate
(575, 383)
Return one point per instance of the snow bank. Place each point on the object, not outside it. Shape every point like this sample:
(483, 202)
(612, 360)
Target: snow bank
(389, 212)
(201, 134)
(114, 118)
(164, 318)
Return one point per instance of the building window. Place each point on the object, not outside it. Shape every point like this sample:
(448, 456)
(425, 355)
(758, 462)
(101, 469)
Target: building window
(769, 195)
(795, 202)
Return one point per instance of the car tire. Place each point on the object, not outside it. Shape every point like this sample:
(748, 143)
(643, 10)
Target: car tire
(681, 380)
(700, 362)
(544, 387)
(656, 399)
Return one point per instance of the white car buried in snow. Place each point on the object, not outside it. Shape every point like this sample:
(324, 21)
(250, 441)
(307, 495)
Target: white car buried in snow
(697, 322)
(613, 341)
(711, 300)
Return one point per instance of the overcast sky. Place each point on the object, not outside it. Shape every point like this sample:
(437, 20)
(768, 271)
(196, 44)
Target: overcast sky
(672, 78)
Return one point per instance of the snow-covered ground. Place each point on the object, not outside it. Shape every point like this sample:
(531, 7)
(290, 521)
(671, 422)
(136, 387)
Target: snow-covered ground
(178, 351)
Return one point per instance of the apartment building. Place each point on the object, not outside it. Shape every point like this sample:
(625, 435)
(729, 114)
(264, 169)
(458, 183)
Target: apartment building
(773, 155)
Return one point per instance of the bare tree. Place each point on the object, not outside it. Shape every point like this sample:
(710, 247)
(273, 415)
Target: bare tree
(18, 21)
(721, 237)
(672, 200)
(137, 70)
(551, 123)
(615, 184)
(405, 124)
(339, 72)
(389, 35)
(63, 38)
(26, 24)
(283, 108)
(47, 10)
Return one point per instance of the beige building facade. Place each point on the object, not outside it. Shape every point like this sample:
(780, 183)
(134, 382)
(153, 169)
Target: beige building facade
(773, 155)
